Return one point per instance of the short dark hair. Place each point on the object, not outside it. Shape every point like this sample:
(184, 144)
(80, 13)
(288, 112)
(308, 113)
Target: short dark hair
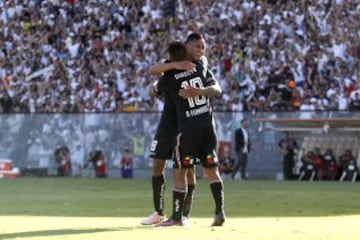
(193, 37)
(177, 51)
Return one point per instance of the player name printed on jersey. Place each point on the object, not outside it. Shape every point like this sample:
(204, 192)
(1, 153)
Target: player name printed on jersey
(184, 74)
(197, 111)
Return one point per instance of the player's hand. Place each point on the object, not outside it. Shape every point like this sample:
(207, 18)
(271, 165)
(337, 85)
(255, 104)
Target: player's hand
(184, 65)
(189, 92)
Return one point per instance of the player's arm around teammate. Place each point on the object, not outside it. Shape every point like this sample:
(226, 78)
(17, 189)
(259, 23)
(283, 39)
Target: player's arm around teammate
(210, 91)
(160, 68)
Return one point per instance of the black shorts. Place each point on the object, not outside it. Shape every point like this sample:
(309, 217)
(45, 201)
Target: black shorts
(163, 143)
(196, 144)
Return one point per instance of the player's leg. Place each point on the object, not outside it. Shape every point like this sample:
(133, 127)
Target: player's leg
(158, 189)
(179, 193)
(182, 163)
(161, 149)
(158, 185)
(217, 189)
(210, 164)
(191, 182)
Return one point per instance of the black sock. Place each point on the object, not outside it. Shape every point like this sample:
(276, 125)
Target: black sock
(158, 185)
(217, 190)
(178, 202)
(188, 200)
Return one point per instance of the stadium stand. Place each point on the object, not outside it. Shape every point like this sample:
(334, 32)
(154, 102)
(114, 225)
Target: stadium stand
(93, 56)
(77, 56)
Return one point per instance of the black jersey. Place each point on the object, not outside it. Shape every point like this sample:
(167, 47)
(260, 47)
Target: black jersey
(168, 118)
(194, 112)
(165, 138)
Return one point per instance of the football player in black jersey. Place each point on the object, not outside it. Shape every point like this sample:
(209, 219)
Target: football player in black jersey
(196, 137)
(164, 141)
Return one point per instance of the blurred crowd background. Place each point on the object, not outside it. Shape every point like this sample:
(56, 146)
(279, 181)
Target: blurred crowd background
(75, 56)
(93, 56)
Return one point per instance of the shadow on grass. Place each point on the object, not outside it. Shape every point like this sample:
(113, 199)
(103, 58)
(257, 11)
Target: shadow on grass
(61, 232)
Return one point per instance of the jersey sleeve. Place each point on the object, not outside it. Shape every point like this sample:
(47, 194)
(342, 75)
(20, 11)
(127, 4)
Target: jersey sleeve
(155, 88)
(204, 62)
(210, 78)
(164, 84)
(164, 60)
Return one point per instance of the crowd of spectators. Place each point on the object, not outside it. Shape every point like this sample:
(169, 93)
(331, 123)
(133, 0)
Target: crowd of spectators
(94, 55)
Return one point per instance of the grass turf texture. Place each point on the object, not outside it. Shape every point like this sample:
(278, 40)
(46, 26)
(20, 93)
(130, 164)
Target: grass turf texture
(55, 208)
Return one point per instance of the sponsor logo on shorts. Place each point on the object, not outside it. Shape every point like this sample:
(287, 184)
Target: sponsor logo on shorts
(188, 160)
(209, 159)
(153, 145)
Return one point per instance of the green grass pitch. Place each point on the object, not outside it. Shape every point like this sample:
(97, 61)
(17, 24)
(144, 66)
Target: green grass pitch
(56, 208)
